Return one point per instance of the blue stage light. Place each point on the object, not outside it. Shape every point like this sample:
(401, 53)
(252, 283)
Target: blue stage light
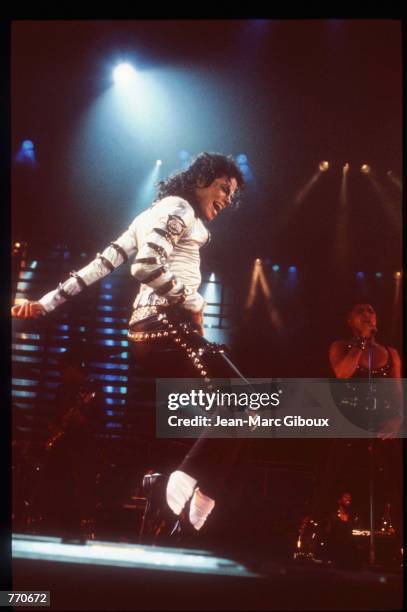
(360, 275)
(292, 269)
(241, 159)
(276, 268)
(158, 162)
(124, 74)
(184, 155)
(26, 154)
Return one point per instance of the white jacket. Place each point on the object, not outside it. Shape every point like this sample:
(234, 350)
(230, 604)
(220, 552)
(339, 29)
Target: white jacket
(166, 239)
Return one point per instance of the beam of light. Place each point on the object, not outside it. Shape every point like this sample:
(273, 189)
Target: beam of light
(396, 306)
(394, 179)
(300, 195)
(259, 280)
(185, 158)
(393, 210)
(145, 194)
(365, 169)
(120, 129)
(341, 251)
(323, 166)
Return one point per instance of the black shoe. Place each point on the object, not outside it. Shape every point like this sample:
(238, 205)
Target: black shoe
(160, 526)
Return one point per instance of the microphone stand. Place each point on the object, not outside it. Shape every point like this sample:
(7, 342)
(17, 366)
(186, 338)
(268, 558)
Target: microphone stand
(372, 406)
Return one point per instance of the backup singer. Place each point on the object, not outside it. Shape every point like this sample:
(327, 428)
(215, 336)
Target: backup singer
(362, 357)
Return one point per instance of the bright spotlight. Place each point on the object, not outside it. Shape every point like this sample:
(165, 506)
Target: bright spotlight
(365, 169)
(158, 162)
(324, 166)
(346, 168)
(292, 269)
(397, 274)
(241, 159)
(124, 74)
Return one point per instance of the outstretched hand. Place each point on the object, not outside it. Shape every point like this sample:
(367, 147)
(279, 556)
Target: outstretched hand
(27, 310)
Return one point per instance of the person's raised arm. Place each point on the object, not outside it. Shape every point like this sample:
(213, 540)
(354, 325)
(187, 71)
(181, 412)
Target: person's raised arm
(344, 358)
(104, 263)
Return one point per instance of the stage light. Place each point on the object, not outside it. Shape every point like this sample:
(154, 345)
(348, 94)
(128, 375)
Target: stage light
(346, 168)
(365, 169)
(397, 274)
(124, 74)
(184, 155)
(241, 159)
(360, 275)
(258, 261)
(27, 145)
(323, 166)
(276, 267)
(158, 162)
(378, 275)
(292, 269)
(26, 154)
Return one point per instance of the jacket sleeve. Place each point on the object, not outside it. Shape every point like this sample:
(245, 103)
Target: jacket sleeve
(104, 263)
(151, 266)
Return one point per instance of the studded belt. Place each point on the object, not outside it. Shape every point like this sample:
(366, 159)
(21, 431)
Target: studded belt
(148, 336)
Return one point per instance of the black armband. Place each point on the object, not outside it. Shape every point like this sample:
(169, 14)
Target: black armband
(159, 249)
(164, 234)
(120, 250)
(79, 278)
(62, 292)
(166, 287)
(153, 275)
(147, 260)
(108, 264)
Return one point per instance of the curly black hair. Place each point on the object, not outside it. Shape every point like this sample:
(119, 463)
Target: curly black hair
(205, 167)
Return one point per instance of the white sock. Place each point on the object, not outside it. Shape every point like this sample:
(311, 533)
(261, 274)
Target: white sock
(179, 489)
(200, 508)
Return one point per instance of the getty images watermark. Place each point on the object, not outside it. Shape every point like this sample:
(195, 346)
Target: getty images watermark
(294, 408)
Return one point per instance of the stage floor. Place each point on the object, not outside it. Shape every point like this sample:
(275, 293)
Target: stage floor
(114, 576)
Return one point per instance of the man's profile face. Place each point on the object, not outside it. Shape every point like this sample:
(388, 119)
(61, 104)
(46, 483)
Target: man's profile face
(215, 197)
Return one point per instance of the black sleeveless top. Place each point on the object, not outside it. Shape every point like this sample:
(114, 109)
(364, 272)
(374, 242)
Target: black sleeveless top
(362, 372)
(368, 405)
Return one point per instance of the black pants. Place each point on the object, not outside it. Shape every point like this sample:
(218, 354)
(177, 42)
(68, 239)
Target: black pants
(210, 460)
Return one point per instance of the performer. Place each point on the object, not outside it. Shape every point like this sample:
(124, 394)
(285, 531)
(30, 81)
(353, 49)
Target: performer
(340, 543)
(166, 239)
(350, 359)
